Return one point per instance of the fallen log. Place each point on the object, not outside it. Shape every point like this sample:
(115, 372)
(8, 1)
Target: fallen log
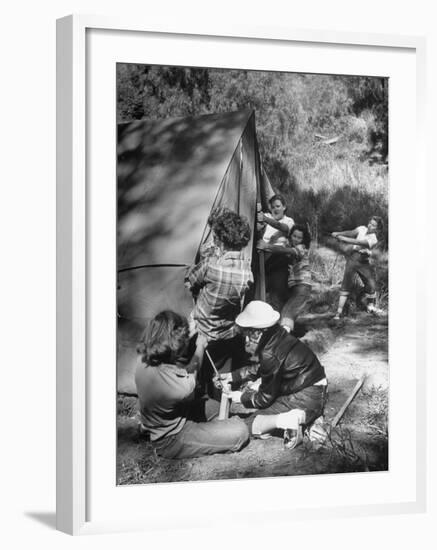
(325, 140)
(331, 141)
(348, 401)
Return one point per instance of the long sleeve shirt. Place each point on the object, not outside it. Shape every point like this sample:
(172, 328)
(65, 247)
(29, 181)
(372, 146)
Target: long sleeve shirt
(219, 284)
(286, 366)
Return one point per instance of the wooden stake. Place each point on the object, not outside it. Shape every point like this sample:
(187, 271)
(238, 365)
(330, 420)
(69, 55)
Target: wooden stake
(348, 401)
(225, 404)
(225, 400)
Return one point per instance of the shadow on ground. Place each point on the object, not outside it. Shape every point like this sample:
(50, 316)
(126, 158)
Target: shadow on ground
(45, 518)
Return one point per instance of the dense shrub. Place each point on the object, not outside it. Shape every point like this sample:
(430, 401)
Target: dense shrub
(331, 186)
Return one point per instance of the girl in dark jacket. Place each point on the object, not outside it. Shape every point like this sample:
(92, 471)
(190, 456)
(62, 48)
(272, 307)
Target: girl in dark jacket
(293, 387)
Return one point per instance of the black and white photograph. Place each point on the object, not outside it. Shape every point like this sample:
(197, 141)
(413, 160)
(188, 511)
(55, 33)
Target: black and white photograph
(221, 223)
(252, 274)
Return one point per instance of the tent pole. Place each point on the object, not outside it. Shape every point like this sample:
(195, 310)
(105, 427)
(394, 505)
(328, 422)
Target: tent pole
(261, 259)
(262, 275)
(239, 174)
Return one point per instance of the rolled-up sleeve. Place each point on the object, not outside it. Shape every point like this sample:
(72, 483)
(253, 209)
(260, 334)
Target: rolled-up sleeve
(195, 276)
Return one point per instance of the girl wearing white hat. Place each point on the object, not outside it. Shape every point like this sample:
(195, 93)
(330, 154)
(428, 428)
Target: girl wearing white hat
(293, 389)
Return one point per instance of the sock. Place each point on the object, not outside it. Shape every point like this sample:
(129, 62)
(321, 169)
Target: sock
(290, 419)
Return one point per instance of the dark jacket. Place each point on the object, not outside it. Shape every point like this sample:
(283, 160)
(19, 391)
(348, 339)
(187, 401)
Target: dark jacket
(286, 366)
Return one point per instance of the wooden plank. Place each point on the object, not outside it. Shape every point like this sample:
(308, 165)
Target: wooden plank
(348, 401)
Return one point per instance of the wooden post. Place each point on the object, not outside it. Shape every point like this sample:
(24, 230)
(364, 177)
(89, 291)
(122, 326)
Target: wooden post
(261, 286)
(262, 276)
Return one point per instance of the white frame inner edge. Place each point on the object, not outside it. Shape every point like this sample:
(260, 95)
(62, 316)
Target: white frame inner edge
(72, 274)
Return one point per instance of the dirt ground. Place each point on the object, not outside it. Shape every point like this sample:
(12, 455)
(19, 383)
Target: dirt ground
(356, 346)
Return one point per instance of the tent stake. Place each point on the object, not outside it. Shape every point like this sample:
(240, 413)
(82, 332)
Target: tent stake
(225, 400)
(225, 403)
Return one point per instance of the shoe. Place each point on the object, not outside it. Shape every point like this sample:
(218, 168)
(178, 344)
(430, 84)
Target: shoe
(317, 433)
(293, 438)
(291, 422)
(373, 310)
(338, 317)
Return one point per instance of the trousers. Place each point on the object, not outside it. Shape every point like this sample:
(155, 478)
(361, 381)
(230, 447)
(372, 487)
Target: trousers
(204, 438)
(298, 296)
(357, 264)
(312, 400)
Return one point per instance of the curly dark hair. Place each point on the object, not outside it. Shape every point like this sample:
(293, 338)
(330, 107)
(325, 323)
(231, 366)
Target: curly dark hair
(379, 223)
(306, 241)
(279, 198)
(230, 228)
(164, 338)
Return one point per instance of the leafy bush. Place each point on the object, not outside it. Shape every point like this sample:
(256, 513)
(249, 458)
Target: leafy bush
(376, 415)
(330, 186)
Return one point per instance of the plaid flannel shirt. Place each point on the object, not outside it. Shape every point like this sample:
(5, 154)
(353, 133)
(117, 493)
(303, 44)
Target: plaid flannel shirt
(219, 284)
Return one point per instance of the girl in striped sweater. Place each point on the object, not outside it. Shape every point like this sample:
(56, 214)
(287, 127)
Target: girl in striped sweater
(299, 274)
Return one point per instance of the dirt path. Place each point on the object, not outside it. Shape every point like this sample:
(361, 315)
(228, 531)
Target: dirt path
(357, 346)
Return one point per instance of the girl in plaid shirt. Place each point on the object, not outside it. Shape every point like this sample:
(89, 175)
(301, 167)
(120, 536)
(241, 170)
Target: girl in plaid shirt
(218, 284)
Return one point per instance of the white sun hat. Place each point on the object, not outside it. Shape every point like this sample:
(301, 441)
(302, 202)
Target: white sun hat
(257, 314)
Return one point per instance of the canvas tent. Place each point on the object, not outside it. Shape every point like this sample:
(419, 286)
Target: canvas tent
(171, 174)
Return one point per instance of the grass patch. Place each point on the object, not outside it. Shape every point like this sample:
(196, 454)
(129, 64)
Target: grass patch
(127, 406)
(134, 471)
(357, 454)
(375, 417)
(327, 269)
(327, 265)
(347, 450)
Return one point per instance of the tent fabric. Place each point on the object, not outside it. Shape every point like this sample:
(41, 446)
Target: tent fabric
(170, 175)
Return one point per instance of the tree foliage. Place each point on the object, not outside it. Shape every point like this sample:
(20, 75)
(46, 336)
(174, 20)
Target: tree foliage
(330, 186)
